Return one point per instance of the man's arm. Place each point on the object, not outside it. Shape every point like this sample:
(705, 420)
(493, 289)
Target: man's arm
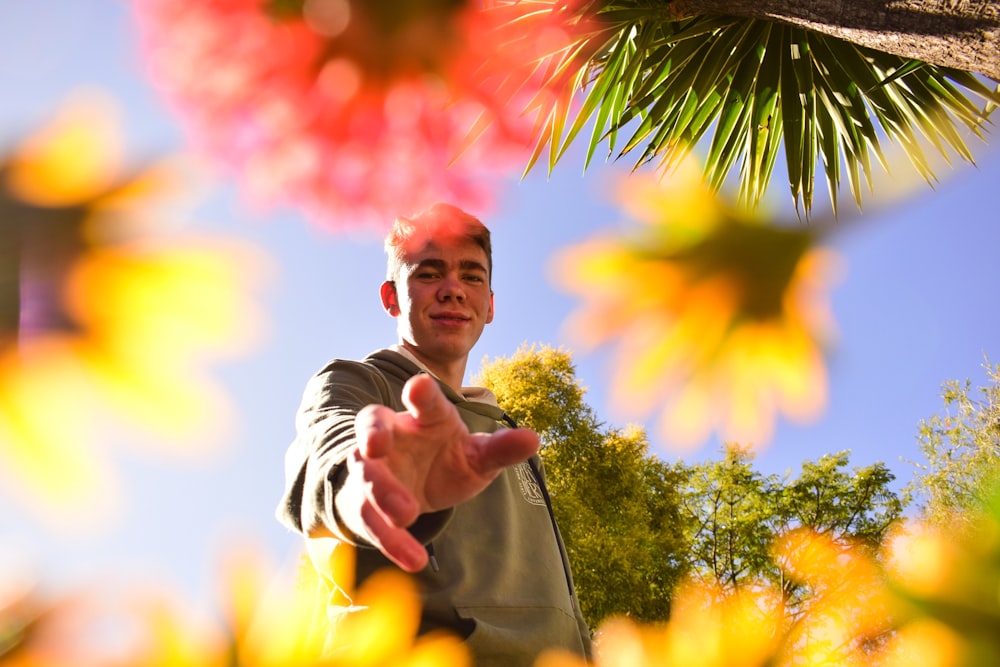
(324, 436)
(363, 472)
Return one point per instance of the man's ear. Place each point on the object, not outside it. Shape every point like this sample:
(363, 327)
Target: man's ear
(390, 301)
(489, 313)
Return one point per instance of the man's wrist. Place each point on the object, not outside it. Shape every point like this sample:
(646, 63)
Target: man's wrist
(339, 507)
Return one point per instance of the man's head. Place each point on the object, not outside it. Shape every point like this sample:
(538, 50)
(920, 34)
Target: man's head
(438, 287)
(441, 221)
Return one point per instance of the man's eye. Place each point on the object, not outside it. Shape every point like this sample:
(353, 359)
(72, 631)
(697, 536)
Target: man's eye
(474, 279)
(426, 275)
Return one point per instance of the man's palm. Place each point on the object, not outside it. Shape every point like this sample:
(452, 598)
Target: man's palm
(419, 461)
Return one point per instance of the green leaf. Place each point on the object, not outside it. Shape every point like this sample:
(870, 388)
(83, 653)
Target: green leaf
(765, 123)
(733, 123)
(666, 83)
(829, 146)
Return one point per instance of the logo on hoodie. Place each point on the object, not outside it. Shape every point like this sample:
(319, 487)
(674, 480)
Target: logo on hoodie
(530, 489)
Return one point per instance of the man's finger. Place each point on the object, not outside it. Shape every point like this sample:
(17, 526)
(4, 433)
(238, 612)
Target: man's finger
(373, 427)
(425, 401)
(493, 451)
(370, 482)
(396, 544)
(374, 506)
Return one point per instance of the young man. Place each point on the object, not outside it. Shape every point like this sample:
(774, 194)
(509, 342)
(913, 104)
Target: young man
(394, 456)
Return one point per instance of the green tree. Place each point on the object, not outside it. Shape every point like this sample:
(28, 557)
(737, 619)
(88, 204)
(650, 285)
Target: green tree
(731, 519)
(856, 508)
(635, 526)
(617, 506)
(858, 504)
(734, 513)
(961, 450)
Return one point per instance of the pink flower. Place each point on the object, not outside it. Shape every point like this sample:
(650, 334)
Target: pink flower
(357, 111)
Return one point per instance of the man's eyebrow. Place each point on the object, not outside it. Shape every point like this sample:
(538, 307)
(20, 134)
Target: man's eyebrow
(471, 265)
(431, 263)
(441, 265)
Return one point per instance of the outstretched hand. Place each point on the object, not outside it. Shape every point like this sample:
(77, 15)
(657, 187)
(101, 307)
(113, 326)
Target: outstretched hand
(419, 461)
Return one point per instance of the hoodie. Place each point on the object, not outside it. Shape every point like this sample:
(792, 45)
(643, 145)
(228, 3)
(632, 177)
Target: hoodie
(498, 574)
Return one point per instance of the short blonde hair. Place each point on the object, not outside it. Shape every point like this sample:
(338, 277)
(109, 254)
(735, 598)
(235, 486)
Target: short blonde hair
(440, 220)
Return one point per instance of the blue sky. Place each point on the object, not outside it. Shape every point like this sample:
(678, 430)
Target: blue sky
(916, 308)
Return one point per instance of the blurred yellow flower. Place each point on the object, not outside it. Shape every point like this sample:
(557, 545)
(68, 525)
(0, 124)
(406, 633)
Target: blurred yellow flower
(948, 583)
(737, 628)
(100, 317)
(268, 621)
(718, 317)
(926, 643)
(851, 610)
(708, 627)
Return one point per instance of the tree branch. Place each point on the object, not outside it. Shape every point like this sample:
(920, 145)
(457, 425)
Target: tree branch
(961, 34)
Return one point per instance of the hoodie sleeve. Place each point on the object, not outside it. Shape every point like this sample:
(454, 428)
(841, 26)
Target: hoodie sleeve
(314, 462)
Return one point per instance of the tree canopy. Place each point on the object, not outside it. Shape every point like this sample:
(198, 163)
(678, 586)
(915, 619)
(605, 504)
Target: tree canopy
(616, 504)
(637, 526)
(961, 447)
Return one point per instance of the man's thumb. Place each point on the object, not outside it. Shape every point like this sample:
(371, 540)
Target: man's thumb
(503, 448)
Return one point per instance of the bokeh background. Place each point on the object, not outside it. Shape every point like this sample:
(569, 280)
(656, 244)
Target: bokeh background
(916, 306)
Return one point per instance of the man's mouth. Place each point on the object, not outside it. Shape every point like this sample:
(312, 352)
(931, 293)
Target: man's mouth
(450, 318)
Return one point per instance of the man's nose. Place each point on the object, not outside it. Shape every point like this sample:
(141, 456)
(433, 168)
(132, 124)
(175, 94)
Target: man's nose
(451, 290)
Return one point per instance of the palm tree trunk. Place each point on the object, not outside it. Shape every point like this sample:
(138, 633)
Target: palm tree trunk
(963, 34)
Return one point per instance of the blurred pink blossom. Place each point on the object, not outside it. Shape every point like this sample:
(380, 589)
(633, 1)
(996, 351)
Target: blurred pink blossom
(356, 112)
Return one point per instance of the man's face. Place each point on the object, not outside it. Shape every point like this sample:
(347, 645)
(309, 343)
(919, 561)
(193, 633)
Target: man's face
(443, 300)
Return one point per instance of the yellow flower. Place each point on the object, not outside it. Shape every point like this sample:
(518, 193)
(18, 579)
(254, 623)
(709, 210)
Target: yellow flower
(374, 626)
(927, 598)
(708, 627)
(927, 643)
(718, 317)
(77, 157)
(948, 582)
(735, 628)
(851, 609)
(267, 621)
(100, 317)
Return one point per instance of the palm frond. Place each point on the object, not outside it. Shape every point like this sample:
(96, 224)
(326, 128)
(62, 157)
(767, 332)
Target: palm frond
(747, 87)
